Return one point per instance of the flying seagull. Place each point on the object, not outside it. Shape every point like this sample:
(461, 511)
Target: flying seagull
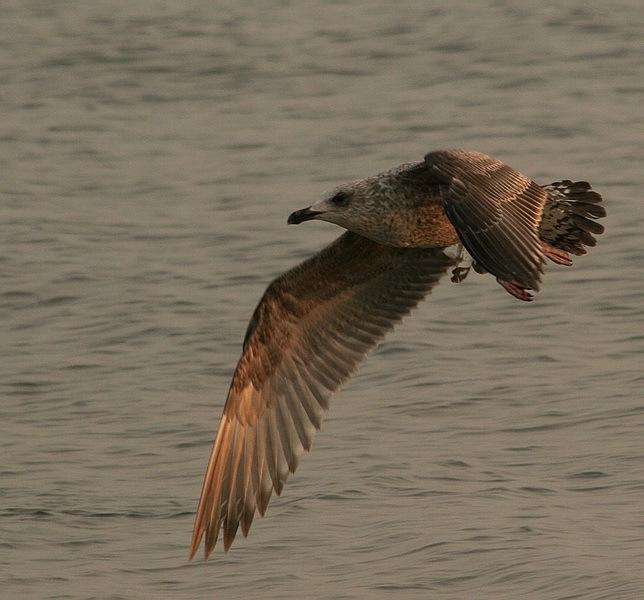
(318, 321)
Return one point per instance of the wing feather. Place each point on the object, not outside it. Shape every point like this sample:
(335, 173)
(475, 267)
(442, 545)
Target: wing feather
(308, 334)
(496, 212)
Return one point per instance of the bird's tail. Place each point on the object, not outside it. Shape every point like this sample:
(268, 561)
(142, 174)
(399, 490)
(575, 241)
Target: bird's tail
(568, 223)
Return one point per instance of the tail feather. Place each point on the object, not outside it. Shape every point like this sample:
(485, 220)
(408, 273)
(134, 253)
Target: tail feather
(569, 216)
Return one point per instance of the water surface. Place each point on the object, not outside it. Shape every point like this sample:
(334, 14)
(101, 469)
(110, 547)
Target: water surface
(151, 152)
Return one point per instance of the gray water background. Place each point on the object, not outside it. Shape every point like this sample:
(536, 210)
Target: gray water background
(150, 152)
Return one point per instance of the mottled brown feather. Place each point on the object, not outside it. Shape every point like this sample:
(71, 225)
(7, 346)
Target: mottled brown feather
(569, 216)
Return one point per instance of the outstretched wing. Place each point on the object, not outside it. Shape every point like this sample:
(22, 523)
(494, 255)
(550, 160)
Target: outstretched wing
(496, 212)
(311, 329)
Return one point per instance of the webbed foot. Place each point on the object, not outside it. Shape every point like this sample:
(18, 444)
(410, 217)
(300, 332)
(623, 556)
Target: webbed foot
(516, 289)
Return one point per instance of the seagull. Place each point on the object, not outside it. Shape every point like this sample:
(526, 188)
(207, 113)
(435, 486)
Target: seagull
(406, 229)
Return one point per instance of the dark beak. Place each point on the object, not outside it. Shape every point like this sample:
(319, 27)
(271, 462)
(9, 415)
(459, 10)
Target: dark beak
(299, 216)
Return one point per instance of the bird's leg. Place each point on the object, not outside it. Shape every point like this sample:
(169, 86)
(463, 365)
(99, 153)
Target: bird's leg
(462, 269)
(516, 289)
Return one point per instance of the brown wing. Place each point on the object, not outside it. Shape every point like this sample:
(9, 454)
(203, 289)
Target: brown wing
(311, 329)
(496, 212)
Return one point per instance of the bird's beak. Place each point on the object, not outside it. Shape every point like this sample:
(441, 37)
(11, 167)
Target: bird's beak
(299, 216)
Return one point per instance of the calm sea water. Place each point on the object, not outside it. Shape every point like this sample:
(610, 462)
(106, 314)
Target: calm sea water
(150, 153)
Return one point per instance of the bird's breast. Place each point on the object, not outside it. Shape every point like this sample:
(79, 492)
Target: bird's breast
(429, 227)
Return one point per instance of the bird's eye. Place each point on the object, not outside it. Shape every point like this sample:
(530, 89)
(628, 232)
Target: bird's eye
(341, 199)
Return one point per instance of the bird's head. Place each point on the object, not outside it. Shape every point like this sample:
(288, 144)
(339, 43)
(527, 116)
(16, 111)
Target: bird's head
(341, 205)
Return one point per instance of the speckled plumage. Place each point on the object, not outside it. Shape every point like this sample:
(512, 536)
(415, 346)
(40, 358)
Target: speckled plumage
(317, 322)
(568, 221)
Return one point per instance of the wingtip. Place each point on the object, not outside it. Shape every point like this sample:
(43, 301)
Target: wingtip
(192, 555)
(194, 544)
(206, 552)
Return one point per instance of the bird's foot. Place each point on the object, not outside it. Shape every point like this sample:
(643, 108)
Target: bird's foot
(516, 289)
(557, 256)
(465, 262)
(459, 274)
